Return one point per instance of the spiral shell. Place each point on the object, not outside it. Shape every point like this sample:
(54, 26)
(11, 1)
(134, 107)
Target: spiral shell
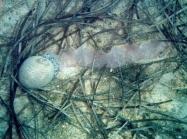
(36, 72)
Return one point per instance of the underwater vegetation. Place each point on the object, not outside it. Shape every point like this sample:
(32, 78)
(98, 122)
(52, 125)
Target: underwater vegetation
(130, 60)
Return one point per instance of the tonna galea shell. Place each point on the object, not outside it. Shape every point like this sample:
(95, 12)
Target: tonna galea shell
(36, 72)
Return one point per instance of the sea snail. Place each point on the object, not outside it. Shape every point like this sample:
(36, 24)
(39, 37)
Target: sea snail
(37, 71)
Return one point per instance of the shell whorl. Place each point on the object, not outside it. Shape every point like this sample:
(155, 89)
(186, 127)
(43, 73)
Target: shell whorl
(36, 72)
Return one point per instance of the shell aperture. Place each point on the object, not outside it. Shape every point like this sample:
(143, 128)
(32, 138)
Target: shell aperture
(53, 59)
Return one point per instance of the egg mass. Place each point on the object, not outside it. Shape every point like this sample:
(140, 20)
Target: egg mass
(36, 72)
